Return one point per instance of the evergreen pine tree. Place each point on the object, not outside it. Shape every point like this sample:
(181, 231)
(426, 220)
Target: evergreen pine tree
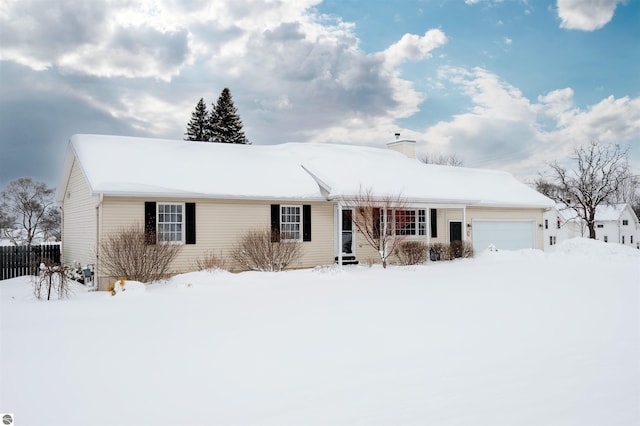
(198, 126)
(224, 122)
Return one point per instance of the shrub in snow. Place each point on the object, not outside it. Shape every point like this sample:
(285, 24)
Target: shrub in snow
(127, 253)
(256, 252)
(210, 262)
(412, 252)
(438, 251)
(52, 278)
(442, 251)
(460, 249)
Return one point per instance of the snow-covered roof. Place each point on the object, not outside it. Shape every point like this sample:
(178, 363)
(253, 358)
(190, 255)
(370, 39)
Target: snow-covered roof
(609, 212)
(604, 212)
(115, 165)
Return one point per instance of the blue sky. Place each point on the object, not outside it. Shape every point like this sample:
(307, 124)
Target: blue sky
(506, 84)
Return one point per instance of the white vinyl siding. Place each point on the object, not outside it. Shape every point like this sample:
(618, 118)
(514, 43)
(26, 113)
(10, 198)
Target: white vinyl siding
(79, 220)
(220, 223)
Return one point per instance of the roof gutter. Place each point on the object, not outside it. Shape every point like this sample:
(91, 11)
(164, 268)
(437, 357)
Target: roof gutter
(205, 196)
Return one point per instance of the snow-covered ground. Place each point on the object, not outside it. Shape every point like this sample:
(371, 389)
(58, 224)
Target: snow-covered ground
(507, 338)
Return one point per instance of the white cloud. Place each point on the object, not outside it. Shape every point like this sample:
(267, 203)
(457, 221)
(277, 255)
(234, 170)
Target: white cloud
(610, 120)
(587, 15)
(503, 129)
(508, 41)
(294, 74)
(413, 47)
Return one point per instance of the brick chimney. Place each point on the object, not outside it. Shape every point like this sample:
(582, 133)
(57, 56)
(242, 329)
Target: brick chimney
(403, 146)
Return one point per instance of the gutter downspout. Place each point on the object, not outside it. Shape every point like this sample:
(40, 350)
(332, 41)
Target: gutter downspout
(96, 282)
(465, 228)
(427, 224)
(339, 229)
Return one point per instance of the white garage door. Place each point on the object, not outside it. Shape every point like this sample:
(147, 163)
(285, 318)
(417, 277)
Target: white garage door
(505, 235)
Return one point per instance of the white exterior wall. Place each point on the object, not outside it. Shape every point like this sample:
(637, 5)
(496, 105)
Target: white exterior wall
(615, 230)
(568, 228)
(79, 220)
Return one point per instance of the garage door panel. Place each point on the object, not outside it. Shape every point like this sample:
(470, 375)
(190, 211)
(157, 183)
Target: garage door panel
(505, 235)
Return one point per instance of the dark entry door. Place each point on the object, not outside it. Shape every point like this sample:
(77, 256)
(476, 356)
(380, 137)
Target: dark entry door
(455, 231)
(347, 232)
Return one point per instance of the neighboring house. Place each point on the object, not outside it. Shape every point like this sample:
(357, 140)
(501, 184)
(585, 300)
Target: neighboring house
(206, 195)
(615, 223)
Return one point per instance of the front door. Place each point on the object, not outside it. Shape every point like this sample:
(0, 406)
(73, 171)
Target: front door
(347, 232)
(455, 231)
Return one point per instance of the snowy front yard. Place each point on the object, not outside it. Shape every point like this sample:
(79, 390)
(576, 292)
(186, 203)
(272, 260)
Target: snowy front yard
(508, 338)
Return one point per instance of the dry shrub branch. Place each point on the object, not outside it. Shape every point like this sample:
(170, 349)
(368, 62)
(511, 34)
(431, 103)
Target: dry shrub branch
(127, 253)
(255, 251)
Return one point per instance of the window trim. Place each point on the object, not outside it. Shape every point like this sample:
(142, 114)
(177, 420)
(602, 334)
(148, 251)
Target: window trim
(299, 223)
(418, 225)
(400, 228)
(182, 222)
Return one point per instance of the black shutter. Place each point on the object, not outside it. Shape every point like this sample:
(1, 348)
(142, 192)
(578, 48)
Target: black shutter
(275, 223)
(190, 223)
(376, 222)
(150, 222)
(306, 222)
(434, 223)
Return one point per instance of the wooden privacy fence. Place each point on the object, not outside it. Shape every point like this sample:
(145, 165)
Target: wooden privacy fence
(16, 261)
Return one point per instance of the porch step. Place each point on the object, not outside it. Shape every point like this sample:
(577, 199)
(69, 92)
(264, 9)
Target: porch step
(348, 260)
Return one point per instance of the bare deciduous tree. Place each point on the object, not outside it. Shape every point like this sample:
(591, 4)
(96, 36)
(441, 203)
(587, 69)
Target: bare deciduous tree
(26, 204)
(443, 160)
(50, 224)
(600, 173)
(381, 221)
(629, 193)
(127, 253)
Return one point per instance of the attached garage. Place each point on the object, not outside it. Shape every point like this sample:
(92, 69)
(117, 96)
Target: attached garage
(504, 235)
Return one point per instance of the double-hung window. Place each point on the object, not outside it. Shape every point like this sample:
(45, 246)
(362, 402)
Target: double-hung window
(170, 222)
(290, 222)
(422, 222)
(405, 222)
